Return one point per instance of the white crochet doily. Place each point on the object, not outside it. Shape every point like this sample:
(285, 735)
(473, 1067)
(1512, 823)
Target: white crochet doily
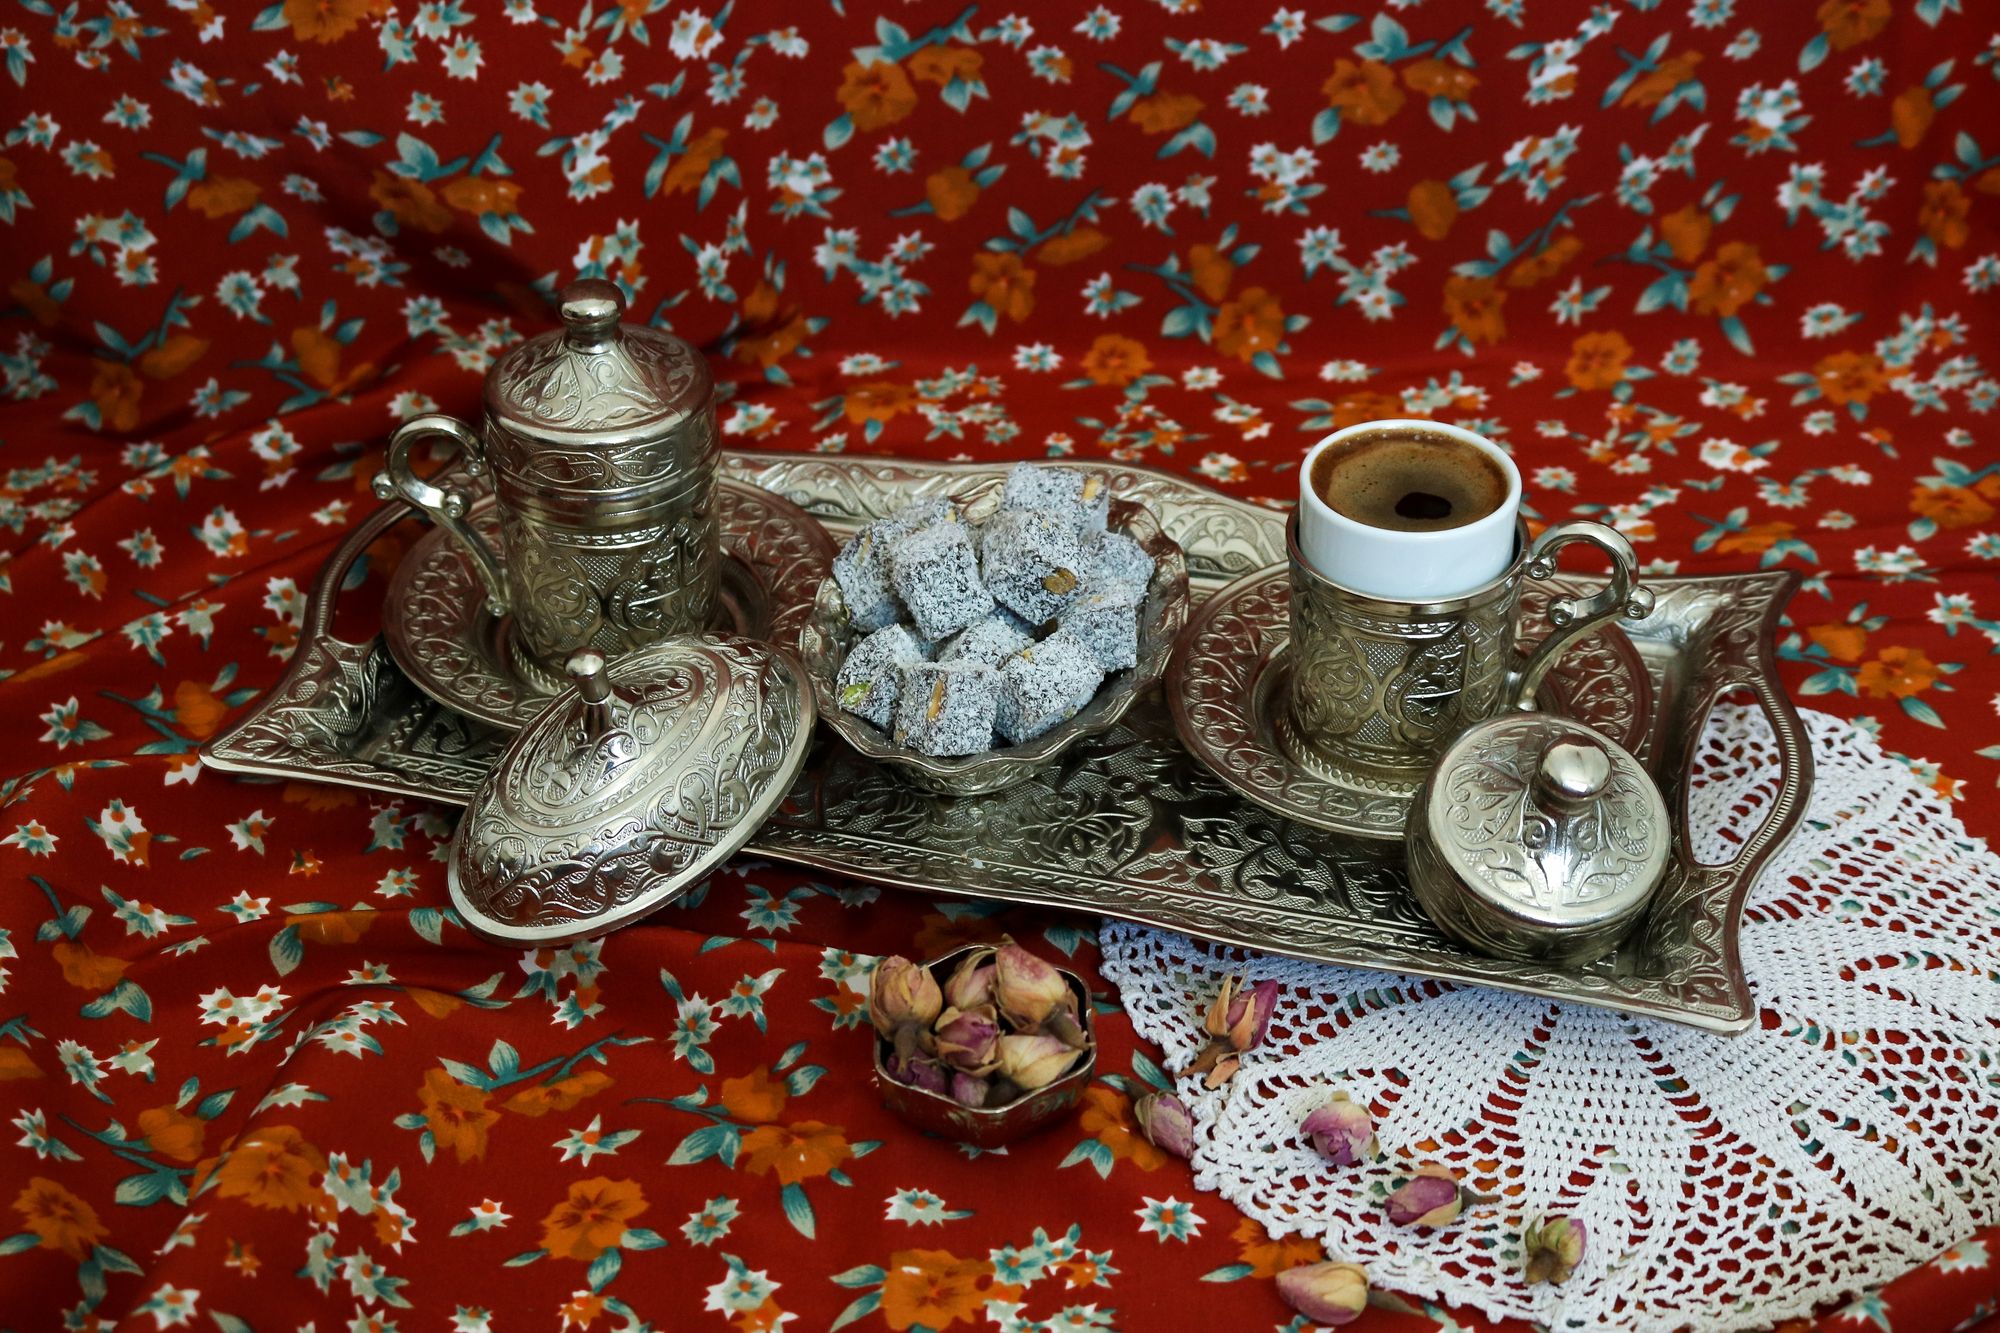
(1726, 1182)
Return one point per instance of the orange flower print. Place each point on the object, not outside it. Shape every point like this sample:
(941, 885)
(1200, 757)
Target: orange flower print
(1945, 214)
(756, 1098)
(1115, 359)
(334, 927)
(319, 356)
(1473, 307)
(273, 1167)
(1726, 283)
(1597, 360)
(116, 391)
(1686, 232)
(456, 1116)
(174, 355)
(1365, 94)
(952, 192)
(1211, 270)
(1955, 506)
(795, 1152)
(1911, 114)
(560, 1095)
(1545, 263)
(86, 970)
(412, 203)
(1002, 282)
(593, 1217)
(1250, 324)
(1079, 243)
(32, 296)
(934, 1288)
(1851, 22)
(1163, 113)
(327, 20)
(225, 196)
(58, 1219)
(1366, 405)
(1432, 77)
(1843, 643)
(941, 64)
(1107, 1117)
(685, 174)
(1433, 207)
(1267, 1257)
(483, 194)
(16, 1063)
(1653, 87)
(172, 1133)
(1901, 672)
(197, 709)
(1850, 377)
(878, 400)
(784, 329)
(1755, 539)
(876, 95)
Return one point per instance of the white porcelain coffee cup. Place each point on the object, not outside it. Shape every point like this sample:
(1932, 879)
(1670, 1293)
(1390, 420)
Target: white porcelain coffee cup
(1402, 565)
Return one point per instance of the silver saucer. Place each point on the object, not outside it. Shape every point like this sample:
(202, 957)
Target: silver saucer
(437, 627)
(1227, 685)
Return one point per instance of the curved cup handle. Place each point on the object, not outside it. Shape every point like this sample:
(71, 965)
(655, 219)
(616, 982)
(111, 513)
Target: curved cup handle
(445, 506)
(1573, 618)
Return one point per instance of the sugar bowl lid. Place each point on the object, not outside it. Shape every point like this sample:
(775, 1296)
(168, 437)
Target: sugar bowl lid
(1535, 837)
(597, 375)
(629, 787)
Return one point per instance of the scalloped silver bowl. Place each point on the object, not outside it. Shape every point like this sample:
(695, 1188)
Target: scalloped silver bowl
(829, 632)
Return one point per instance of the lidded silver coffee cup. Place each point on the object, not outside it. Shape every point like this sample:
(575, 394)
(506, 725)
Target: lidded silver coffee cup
(601, 443)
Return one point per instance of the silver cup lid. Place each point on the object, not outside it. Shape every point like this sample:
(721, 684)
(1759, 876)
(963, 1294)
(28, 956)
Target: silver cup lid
(1550, 825)
(629, 787)
(598, 379)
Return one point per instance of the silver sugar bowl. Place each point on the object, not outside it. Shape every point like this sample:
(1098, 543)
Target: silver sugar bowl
(601, 444)
(1537, 838)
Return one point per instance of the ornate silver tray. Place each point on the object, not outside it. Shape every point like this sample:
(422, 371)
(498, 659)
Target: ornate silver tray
(1128, 824)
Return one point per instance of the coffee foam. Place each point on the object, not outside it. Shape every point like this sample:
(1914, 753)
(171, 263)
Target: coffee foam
(1409, 481)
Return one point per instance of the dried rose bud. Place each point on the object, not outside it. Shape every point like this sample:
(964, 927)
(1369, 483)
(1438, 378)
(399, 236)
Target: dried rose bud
(919, 1071)
(1431, 1198)
(1027, 989)
(969, 1089)
(1165, 1121)
(1034, 1059)
(902, 992)
(1328, 1293)
(971, 983)
(1342, 1131)
(1241, 1016)
(1554, 1250)
(969, 1039)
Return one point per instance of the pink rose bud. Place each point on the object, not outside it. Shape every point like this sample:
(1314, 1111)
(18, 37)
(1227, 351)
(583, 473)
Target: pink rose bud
(971, 983)
(1342, 1131)
(919, 1071)
(1554, 1249)
(968, 1039)
(1242, 1016)
(1027, 989)
(902, 992)
(1034, 1059)
(1165, 1121)
(1431, 1198)
(1328, 1293)
(969, 1089)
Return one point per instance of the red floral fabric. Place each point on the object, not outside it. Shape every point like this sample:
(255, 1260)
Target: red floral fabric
(1720, 273)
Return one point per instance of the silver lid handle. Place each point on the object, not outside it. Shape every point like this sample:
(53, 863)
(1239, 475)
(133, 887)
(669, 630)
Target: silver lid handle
(591, 311)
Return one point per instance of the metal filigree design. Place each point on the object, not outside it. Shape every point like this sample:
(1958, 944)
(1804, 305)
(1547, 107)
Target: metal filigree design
(457, 652)
(1128, 824)
(643, 376)
(579, 830)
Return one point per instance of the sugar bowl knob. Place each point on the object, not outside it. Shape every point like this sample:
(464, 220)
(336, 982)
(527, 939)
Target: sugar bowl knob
(586, 669)
(1573, 769)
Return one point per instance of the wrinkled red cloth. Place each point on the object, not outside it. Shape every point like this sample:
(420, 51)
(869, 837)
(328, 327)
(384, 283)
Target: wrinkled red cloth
(1723, 278)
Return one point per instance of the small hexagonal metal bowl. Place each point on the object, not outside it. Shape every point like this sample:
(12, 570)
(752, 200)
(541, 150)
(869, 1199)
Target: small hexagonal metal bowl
(829, 632)
(991, 1126)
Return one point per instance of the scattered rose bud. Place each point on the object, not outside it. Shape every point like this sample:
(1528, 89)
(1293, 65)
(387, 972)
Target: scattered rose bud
(1554, 1250)
(968, 1040)
(1342, 1131)
(1034, 1059)
(1166, 1123)
(1027, 989)
(969, 1089)
(1431, 1198)
(971, 983)
(902, 992)
(1328, 1293)
(1240, 1015)
(919, 1071)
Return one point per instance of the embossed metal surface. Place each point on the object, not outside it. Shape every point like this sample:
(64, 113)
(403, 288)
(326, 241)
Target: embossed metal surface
(828, 634)
(455, 650)
(1230, 683)
(599, 813)
(1128, 824)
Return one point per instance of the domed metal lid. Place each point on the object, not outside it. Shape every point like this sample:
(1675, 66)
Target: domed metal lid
(597, 376)
(1548, 823)
(629, 787)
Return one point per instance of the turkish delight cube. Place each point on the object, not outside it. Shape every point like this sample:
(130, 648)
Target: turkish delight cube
(936, 574)
(1115, 565)
(1108, 625)
(1079, 499)
(947, 708)
(992, 640)
(871, 677)
(862, 572)
(1044, 684)
(1032, 563)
